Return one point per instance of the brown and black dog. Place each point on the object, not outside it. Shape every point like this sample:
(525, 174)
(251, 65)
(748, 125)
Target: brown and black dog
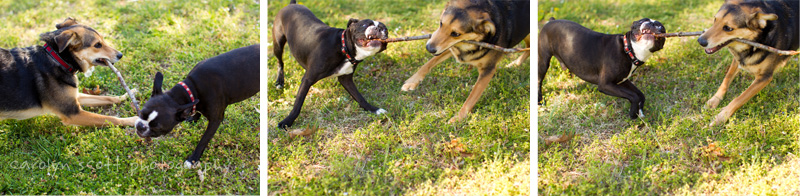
(773, 23)
(41, 79)
(501, 22)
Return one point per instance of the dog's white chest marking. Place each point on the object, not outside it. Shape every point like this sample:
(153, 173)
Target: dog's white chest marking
(346, 68)
(642, 49)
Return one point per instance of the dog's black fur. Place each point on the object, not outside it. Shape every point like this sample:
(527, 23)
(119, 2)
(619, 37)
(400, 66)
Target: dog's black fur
(318, 48)
(215, 83)
(598, 58)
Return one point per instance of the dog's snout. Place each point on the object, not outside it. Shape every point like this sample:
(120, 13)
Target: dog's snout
(703, 42)
(119, 55)
(430, 48)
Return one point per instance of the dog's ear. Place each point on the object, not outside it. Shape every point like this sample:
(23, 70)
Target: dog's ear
(65, 39)
(485, 24)
(67, 22)
(185, 110)
(350, 22)
(758, 19)
(157, 84)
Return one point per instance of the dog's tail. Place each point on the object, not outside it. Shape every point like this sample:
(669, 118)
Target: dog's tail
(293, 2)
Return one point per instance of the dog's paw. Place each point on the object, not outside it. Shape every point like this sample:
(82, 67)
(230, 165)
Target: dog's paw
(410, 86)
(713, 102)
(380, 111)
(188, 164)
(284, 124)
(640, 114)
(515, 63)
(721, 118)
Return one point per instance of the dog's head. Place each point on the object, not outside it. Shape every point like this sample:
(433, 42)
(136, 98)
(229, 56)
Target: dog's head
(642, 34)
(461, 20)
(365, 34)
(161, 113)
(87, 47)
(734, 20)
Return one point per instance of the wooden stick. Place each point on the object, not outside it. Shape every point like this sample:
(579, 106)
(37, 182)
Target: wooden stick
(482, 44)
(402, 39)
(680, 34)
(134, 103)
(748, 42)
(768, 48)
(496, 47)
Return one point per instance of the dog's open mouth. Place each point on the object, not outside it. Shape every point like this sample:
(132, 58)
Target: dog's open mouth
(103, 61)
(370, 41)
(717, 48)
(647, 34)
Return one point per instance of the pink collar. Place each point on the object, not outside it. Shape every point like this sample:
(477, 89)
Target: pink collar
(191, 96)
(58, 58)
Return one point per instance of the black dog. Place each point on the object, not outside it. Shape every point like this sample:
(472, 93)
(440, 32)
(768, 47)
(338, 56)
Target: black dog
(210, 87)
(324, 51)
(602, 59)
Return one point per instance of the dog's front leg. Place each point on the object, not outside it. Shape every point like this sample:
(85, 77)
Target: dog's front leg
(615, 90)
(350, 86)
(759, 83)
(305, 85)
(484, 76)
(97, 100)
(211, 129)
(723, 88)
(84, 118)
(414, 80)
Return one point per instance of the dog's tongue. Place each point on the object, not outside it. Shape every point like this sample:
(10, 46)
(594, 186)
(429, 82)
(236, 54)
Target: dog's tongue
(374, 43)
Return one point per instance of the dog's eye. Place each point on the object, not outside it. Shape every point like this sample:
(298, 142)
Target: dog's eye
(440, 24)
(98, 45)
(454, 34)
(727, 28)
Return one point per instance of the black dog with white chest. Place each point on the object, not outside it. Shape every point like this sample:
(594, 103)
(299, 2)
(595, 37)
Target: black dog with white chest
(210, 87)
(602, 59)
(324, 51)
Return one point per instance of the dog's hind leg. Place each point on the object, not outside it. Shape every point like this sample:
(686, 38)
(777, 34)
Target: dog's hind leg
(723, 88)
(350, 86)
(484, 76)
(305, 85)
(278, 41)
(412, 82)
(544, 64)
(759, 83)
(96, 100)
(524, 55)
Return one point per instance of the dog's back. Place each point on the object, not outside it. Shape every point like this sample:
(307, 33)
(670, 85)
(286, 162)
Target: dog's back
(242, 62)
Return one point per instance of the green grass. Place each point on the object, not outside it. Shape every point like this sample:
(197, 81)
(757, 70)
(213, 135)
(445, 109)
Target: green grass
(668, 151)
(41, 156)
(411, 150)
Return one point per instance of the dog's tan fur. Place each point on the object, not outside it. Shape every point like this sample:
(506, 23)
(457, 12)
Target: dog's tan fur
(476, 28)
(728, 26)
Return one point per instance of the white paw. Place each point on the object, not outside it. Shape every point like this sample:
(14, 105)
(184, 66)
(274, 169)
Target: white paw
(380, 111)
(279, 87)
(187, 164)
(409, 86)
(641, 114)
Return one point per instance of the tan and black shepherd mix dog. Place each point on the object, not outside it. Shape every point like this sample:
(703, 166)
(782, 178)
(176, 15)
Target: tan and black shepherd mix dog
(41, 79)
(773, 23)
(501, 22)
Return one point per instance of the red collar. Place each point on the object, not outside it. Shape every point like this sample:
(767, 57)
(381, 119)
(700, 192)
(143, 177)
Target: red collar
(629, 51)
(58, 58)
(191, 96)
(344, 50)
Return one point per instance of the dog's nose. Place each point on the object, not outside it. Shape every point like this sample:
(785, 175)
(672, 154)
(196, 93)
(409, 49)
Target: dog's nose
(703, 42)
(431, 49)
(119, 56)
